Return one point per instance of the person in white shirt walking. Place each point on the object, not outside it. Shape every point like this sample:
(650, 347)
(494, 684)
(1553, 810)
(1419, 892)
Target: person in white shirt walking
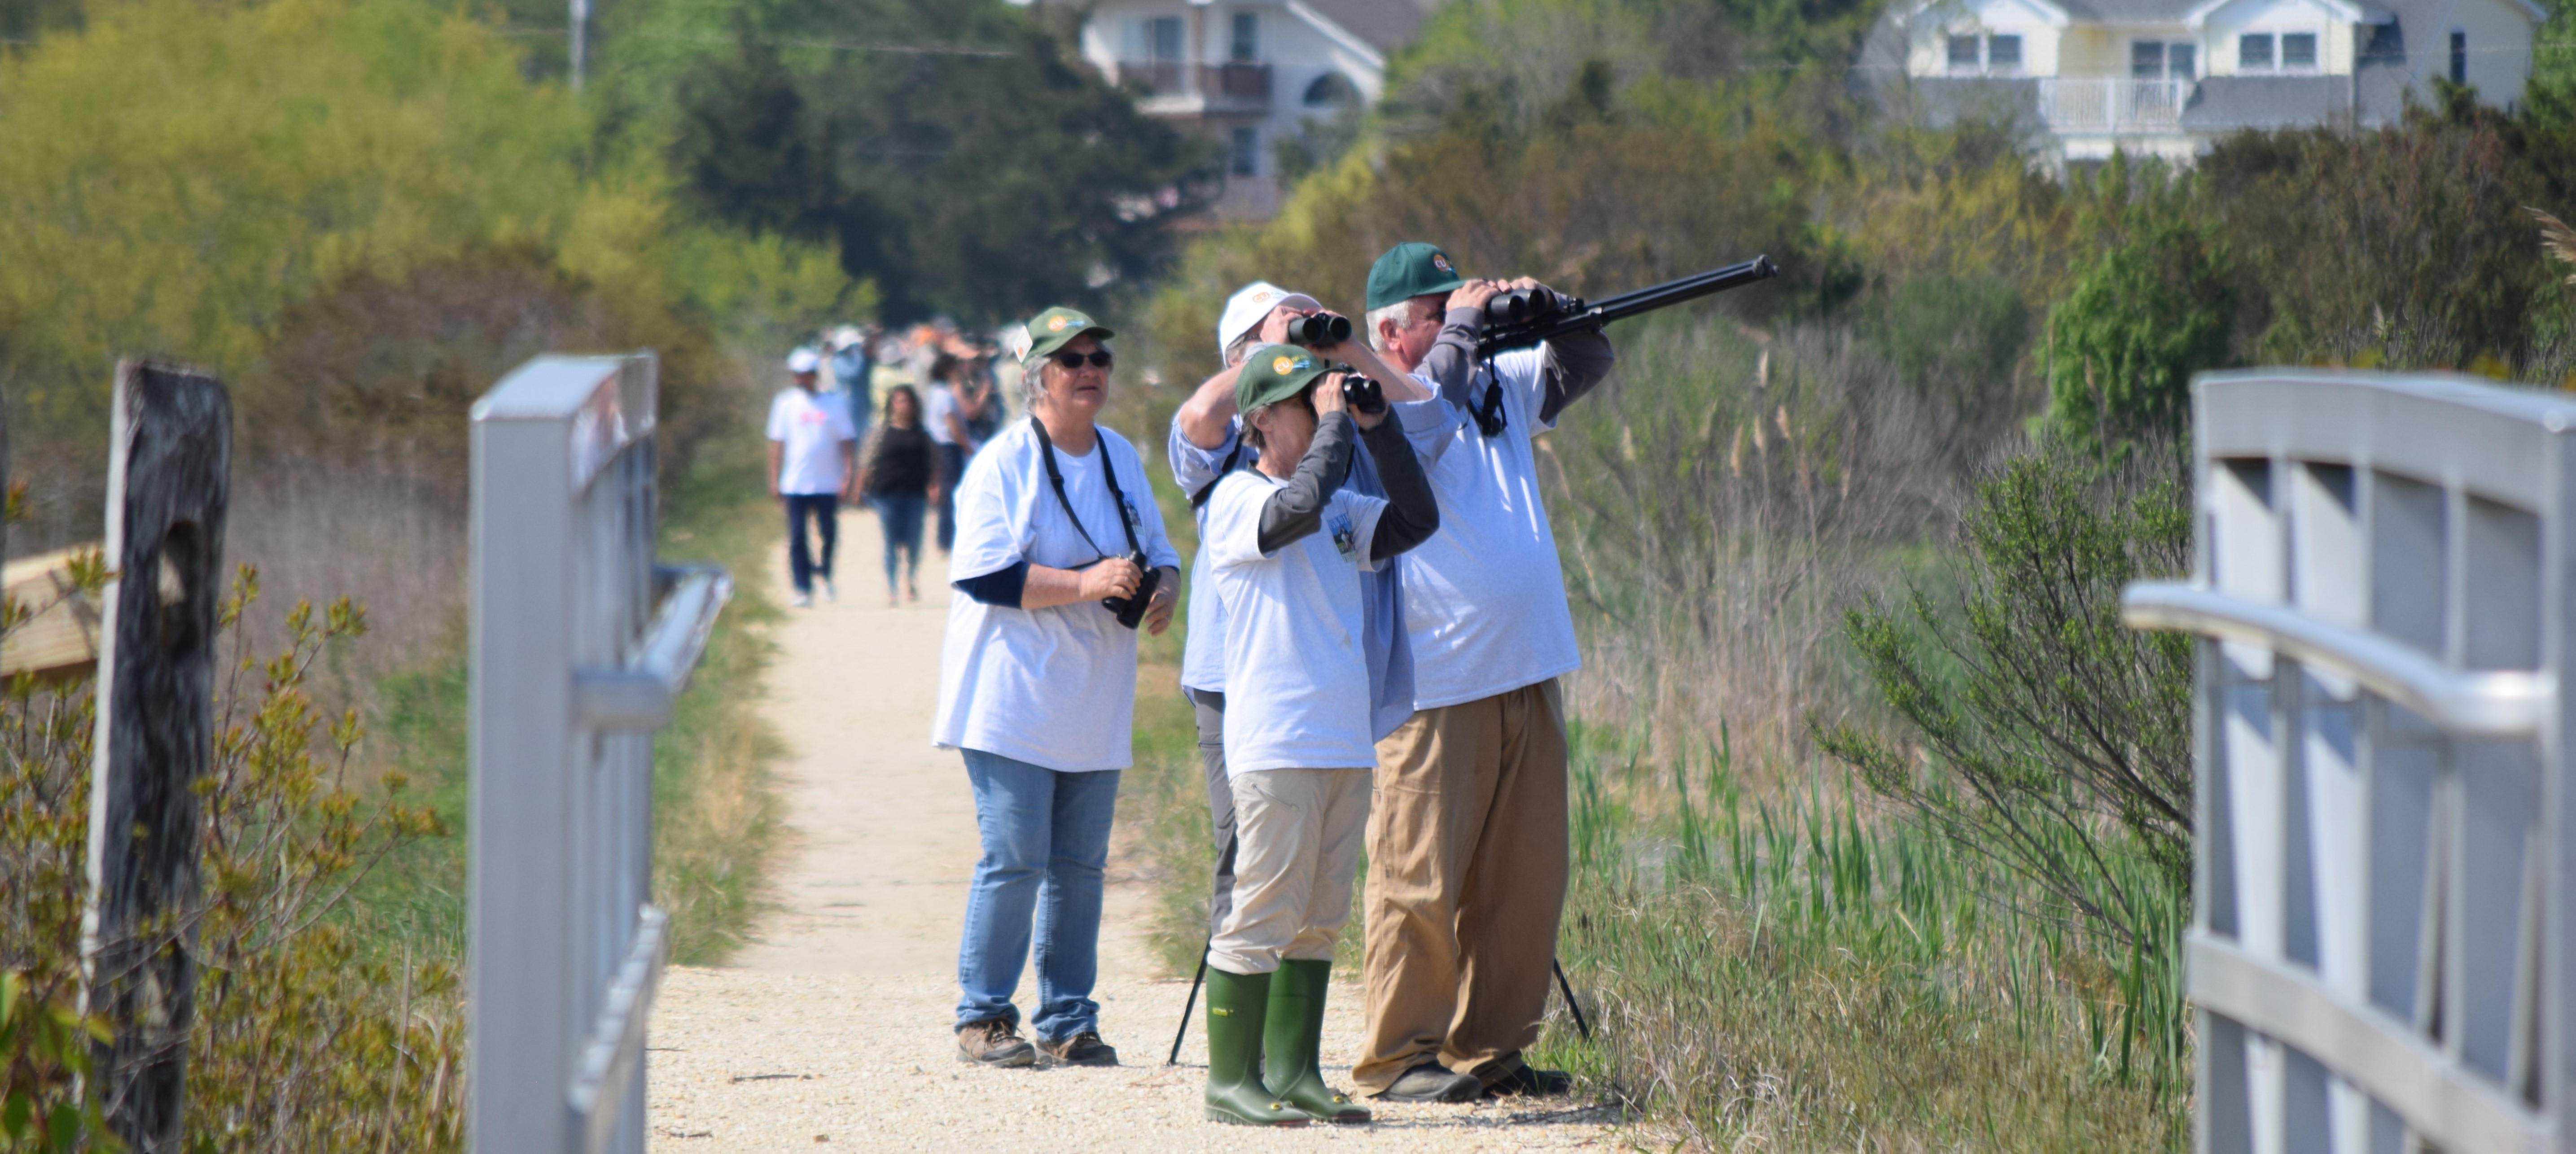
(1467, 844)
(1058, 542)
(812, 454)
(1287, 544)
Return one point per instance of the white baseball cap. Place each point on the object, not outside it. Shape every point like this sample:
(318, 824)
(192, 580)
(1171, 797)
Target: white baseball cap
(1245, 310)
(803, 361)
(845, 336)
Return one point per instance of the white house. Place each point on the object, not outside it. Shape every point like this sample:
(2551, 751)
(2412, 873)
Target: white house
(1248, 72)
(2168, 77)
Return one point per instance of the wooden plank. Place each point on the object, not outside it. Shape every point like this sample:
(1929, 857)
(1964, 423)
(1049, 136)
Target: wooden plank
(168, 488)
(62, 638)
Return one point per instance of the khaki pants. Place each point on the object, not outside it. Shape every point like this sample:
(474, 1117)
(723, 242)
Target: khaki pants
(1467, 861)
(1297, 846)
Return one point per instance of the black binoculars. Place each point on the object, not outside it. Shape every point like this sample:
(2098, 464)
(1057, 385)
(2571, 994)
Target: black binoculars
(1130, 610)
(1319, 329)
(1524, 304)
(1362, 395)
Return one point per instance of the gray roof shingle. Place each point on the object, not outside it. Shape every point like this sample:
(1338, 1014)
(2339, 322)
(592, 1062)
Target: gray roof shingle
(1387, 25)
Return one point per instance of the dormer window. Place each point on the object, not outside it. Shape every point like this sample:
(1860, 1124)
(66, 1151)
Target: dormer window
(1971, 54)
(2276, 52)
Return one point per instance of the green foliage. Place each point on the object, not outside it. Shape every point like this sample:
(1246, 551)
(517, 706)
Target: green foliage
(985, 177)
(2039, 731)
(1957, 339)
(300, 1041)
(292, 153)
(1773, 971)
(2404, 247)
(2152, 308)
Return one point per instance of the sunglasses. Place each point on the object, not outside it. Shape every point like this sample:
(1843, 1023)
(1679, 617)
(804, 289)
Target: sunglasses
(1099, 359)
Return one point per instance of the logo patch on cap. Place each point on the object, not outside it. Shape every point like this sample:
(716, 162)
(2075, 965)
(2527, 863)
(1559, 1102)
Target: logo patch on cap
(1262, 297)
(1057, 325)
(1286, 365)
(1440, 260)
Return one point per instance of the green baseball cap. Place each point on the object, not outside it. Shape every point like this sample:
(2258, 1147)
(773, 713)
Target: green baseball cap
(1410, 270)
(1056, 328)
(1275, 373)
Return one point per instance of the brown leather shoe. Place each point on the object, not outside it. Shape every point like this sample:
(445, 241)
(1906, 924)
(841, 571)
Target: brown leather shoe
(994, 1042)
(1083, 1049)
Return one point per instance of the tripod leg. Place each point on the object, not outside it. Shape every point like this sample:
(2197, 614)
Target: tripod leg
(1562, 986)
(1193, 1004)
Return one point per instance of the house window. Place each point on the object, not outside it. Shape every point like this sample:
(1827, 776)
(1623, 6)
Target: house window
(1246, 160)
(2298, 50)
(2254, 52)
(1970, 53)
(1247, 37)
(2163, 60)
(2459, 57)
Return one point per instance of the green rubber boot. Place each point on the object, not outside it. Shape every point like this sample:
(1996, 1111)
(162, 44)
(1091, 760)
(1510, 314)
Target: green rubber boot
(1294, 1038)
(1236, 1006)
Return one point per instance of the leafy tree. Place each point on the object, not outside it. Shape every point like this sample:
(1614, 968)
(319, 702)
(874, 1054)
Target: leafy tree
(958, 157)
(2153, 307)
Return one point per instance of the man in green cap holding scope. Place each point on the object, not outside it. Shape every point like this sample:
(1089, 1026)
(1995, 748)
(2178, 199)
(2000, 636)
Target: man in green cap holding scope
(1467, 839)
(1286, 542)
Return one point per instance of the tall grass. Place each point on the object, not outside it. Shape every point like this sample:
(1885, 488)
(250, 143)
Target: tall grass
(1808, 971)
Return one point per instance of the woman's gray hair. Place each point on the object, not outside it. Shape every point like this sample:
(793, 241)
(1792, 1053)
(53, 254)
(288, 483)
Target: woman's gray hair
(1033, 383)
(1399, 312)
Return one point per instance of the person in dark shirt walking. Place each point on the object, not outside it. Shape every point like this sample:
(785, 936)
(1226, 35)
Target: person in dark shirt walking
(901, 475)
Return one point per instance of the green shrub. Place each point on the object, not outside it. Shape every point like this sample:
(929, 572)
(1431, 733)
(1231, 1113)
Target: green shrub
(2153, 307)
(301, 1042)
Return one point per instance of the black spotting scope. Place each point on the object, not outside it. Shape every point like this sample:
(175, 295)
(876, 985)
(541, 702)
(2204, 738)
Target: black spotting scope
(1519, 318)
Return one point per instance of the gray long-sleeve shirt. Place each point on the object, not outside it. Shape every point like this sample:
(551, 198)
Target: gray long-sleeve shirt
(1573, 364)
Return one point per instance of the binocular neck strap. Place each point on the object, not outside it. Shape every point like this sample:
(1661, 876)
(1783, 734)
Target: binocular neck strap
(1490, 416)
(1108, 469)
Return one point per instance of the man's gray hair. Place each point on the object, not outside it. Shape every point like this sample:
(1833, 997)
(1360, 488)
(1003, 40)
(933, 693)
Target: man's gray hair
(1242, 344)
(1400, 312)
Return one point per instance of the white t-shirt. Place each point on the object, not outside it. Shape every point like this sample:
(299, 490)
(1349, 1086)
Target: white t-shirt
(810, 429)
(1052, 687)
(1297, 681)
(1484, 598)
(938, 404)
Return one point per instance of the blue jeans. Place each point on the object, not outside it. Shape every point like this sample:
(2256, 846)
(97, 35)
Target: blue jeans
(823, 508)
(1046, 840)
(899, 516)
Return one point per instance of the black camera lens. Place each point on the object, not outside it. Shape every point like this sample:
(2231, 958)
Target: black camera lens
(1319, 329)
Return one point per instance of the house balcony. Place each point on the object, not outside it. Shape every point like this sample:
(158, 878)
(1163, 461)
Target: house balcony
(2113, 104)
(1174, 87)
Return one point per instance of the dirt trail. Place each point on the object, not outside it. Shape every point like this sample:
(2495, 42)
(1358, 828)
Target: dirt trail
(833, 1027)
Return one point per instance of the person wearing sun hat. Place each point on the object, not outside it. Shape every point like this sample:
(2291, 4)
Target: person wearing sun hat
(1288, 542)
(1205, 444)
(812, 456)
(1467, 843)
(1037, 689)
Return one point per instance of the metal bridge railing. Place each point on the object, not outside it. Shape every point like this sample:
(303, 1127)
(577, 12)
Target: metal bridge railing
(2382, 955)
(580, 644)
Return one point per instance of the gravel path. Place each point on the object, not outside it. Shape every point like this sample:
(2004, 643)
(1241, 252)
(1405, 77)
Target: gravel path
(833, 1029)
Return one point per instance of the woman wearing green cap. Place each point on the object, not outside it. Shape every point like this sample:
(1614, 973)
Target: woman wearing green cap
(1037, 689)
(1287, 543)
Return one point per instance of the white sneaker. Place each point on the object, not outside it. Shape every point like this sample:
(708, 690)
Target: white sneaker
(830, 592)
(801, 600)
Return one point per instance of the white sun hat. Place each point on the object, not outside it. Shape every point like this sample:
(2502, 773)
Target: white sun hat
(803, 361)
(1245, 310)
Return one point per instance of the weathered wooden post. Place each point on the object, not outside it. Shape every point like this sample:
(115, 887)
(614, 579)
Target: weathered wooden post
(169, 470)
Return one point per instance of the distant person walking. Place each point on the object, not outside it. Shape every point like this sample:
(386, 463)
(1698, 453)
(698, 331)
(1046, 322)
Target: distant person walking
(899, 477)
(948, 412)
(852, 366)
(811, 450)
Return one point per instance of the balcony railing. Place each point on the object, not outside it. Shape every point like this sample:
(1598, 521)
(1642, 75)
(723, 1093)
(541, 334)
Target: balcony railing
(2112, 104)
(1238, 84)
